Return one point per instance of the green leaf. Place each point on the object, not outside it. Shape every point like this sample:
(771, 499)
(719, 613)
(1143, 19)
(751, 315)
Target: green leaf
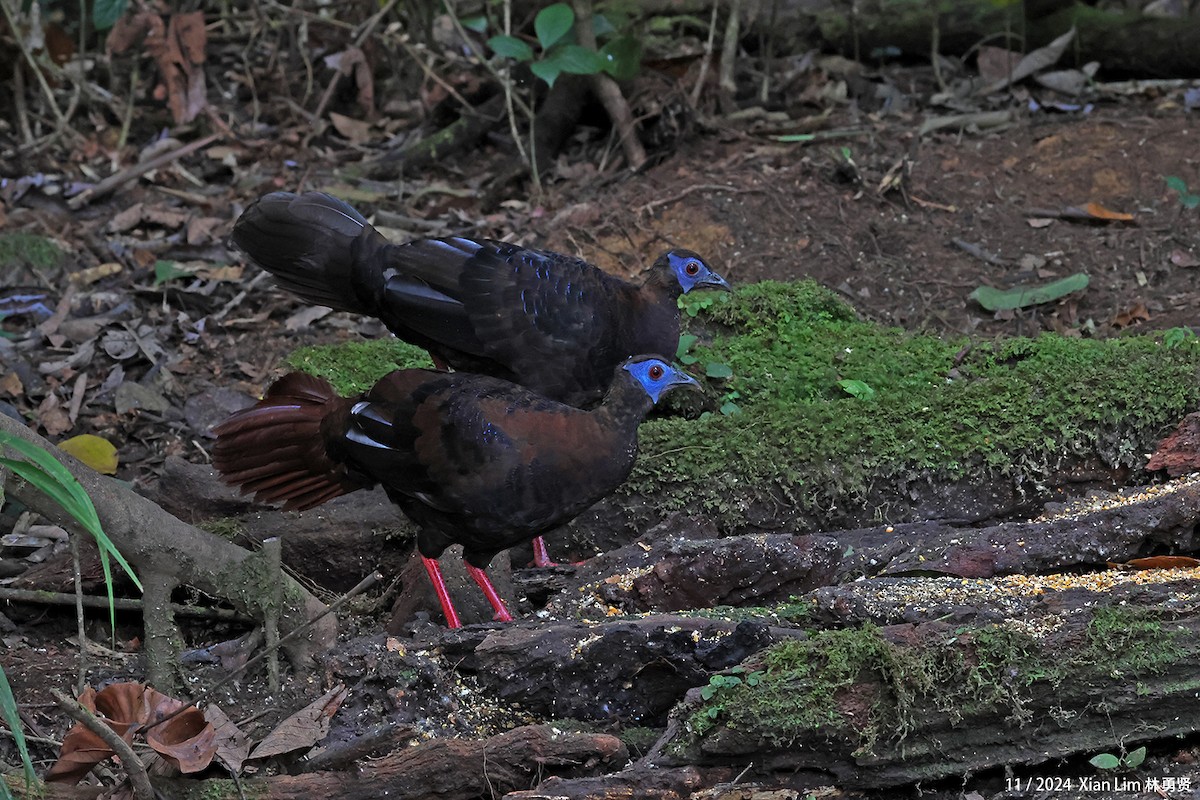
(552, 23)
(106, 13)
(1134, 759)
(707, 692)
(1105, 761)
(12, 717)
(715, 369)
(1177, 183)
(546, 70)
(859, 389)
(789, 138)
(730, 408)
(622, 57)
(1024, 296)
(1189, 200)
(686, 341)
(1177, 336)
(168, 271)
(576, 60)
(602, 26)
(510, 47)
(477, 23)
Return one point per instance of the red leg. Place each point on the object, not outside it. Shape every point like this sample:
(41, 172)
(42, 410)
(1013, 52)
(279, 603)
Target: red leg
(490, 593)
(443, 594)
(439, 364)
(541, 556)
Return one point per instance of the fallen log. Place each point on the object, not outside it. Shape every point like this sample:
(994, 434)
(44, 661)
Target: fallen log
(443, 769)
(1073, 671)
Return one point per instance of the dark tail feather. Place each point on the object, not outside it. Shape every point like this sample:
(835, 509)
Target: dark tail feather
(316, 246)
(277, 449)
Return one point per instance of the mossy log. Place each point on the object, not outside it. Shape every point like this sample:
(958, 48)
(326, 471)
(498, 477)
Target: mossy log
(872, 707)
(829, 422)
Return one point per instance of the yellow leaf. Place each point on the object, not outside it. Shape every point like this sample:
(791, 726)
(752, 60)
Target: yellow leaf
(97, 453)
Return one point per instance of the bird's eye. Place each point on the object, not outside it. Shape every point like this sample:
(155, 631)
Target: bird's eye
(656, 372)
(692, 267)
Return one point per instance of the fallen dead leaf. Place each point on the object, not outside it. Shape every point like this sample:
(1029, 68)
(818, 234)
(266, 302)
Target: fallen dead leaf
(1138, 313)
(1158, 562)
(97, 453)
(1100, 212)
(305, 728)
(1182, 258)
(11, 385)
(93, 274)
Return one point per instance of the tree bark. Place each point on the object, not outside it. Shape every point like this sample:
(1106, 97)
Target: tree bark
(158, 544)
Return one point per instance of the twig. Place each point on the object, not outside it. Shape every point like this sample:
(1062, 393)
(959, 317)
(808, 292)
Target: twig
(272, 553)
(134, 767)
(698, 187)
(81, 631)
(979, 252)
(119, 603)
(362, 586)
(114, 182)
(33, 65)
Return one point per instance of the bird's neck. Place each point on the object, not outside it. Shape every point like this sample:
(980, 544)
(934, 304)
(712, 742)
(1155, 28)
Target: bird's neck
(626, 403)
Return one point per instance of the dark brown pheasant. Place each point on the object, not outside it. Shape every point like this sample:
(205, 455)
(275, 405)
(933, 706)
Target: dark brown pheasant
(549, 322)
(470, 459)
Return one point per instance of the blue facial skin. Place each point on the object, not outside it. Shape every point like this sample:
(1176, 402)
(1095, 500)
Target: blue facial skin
(692, 272)
(645, 371)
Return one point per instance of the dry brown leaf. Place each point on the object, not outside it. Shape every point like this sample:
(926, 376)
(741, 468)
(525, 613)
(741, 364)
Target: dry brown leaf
(1182, 258)
(1138, 313)
(164, 216)
(996, 63)
(118, 706)
(356, 130)
(11, 385)
(1158, 562)
(52, 417)
(125, 220)
(200, 229)
(305, 728)
(352, 62)
(1100, 212)
(93, 274)
(187, 741)
(233, 746)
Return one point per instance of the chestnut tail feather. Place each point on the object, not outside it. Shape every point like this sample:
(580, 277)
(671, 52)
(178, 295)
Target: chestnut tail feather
(276, 449)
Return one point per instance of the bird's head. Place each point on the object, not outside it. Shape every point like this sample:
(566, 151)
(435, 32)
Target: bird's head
(656, 375)
(691, 271)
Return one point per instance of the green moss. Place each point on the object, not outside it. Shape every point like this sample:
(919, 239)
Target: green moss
(943, 408)
(851, 684)
(37, 252)
(793, 612)
(225, 527)
(354, 367)
(1131, 641)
